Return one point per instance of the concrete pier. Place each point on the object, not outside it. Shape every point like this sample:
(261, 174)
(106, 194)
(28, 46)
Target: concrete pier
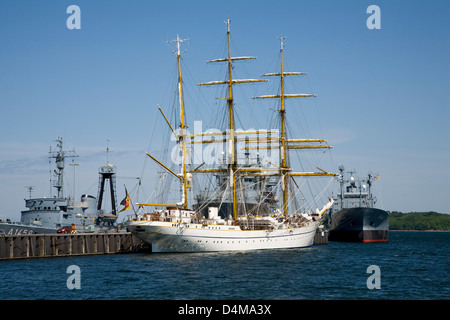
(61, 245)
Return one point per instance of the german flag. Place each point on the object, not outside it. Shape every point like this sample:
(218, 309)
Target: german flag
(126, 202)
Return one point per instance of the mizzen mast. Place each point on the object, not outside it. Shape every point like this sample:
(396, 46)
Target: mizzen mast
(284, 168)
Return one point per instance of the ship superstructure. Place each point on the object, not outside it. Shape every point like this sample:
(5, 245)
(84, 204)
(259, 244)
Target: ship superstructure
(354, 216)
(49, 214)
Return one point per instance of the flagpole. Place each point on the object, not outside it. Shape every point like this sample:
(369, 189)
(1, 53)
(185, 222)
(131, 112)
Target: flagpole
(132, 206)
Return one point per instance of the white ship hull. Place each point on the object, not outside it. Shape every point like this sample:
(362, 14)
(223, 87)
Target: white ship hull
(190, 237)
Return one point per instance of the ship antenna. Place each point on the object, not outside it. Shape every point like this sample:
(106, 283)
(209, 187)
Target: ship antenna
(73, 164)
(107, 151)
(30, 188)
(282, 42)
(178, 41)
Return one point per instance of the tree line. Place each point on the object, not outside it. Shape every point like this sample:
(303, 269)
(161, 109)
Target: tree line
(419, 221)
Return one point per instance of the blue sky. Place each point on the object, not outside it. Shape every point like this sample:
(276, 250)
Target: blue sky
(383, 95)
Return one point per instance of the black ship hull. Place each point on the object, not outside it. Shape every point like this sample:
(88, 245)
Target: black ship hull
(359, 225)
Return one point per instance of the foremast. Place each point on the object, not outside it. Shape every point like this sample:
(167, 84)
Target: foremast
(181, 138)
(285, 170)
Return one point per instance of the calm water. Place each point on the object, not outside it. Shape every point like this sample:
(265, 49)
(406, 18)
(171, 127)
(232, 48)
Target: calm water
(413, 265)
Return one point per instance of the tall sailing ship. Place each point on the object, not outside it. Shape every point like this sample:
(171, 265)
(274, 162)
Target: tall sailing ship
(243, 211)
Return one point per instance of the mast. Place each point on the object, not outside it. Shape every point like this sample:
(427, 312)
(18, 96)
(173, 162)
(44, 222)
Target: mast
(232, 142)
(182, 136)
(341, 184)
(232, 166)
(60, 156)
(283, 134)
(285, 143)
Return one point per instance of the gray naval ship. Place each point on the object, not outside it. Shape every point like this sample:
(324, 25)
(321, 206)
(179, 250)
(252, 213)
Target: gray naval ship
(62, 214)
(353, 216)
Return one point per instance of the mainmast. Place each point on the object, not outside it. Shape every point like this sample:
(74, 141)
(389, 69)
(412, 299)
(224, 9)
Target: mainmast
(283, 135)
(60, 156)
(284, 168)
(232, 142)
(232, 166)
(341, 184)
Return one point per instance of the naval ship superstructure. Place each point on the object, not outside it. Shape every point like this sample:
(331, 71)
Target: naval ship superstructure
(353, 215)
(49, 214)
